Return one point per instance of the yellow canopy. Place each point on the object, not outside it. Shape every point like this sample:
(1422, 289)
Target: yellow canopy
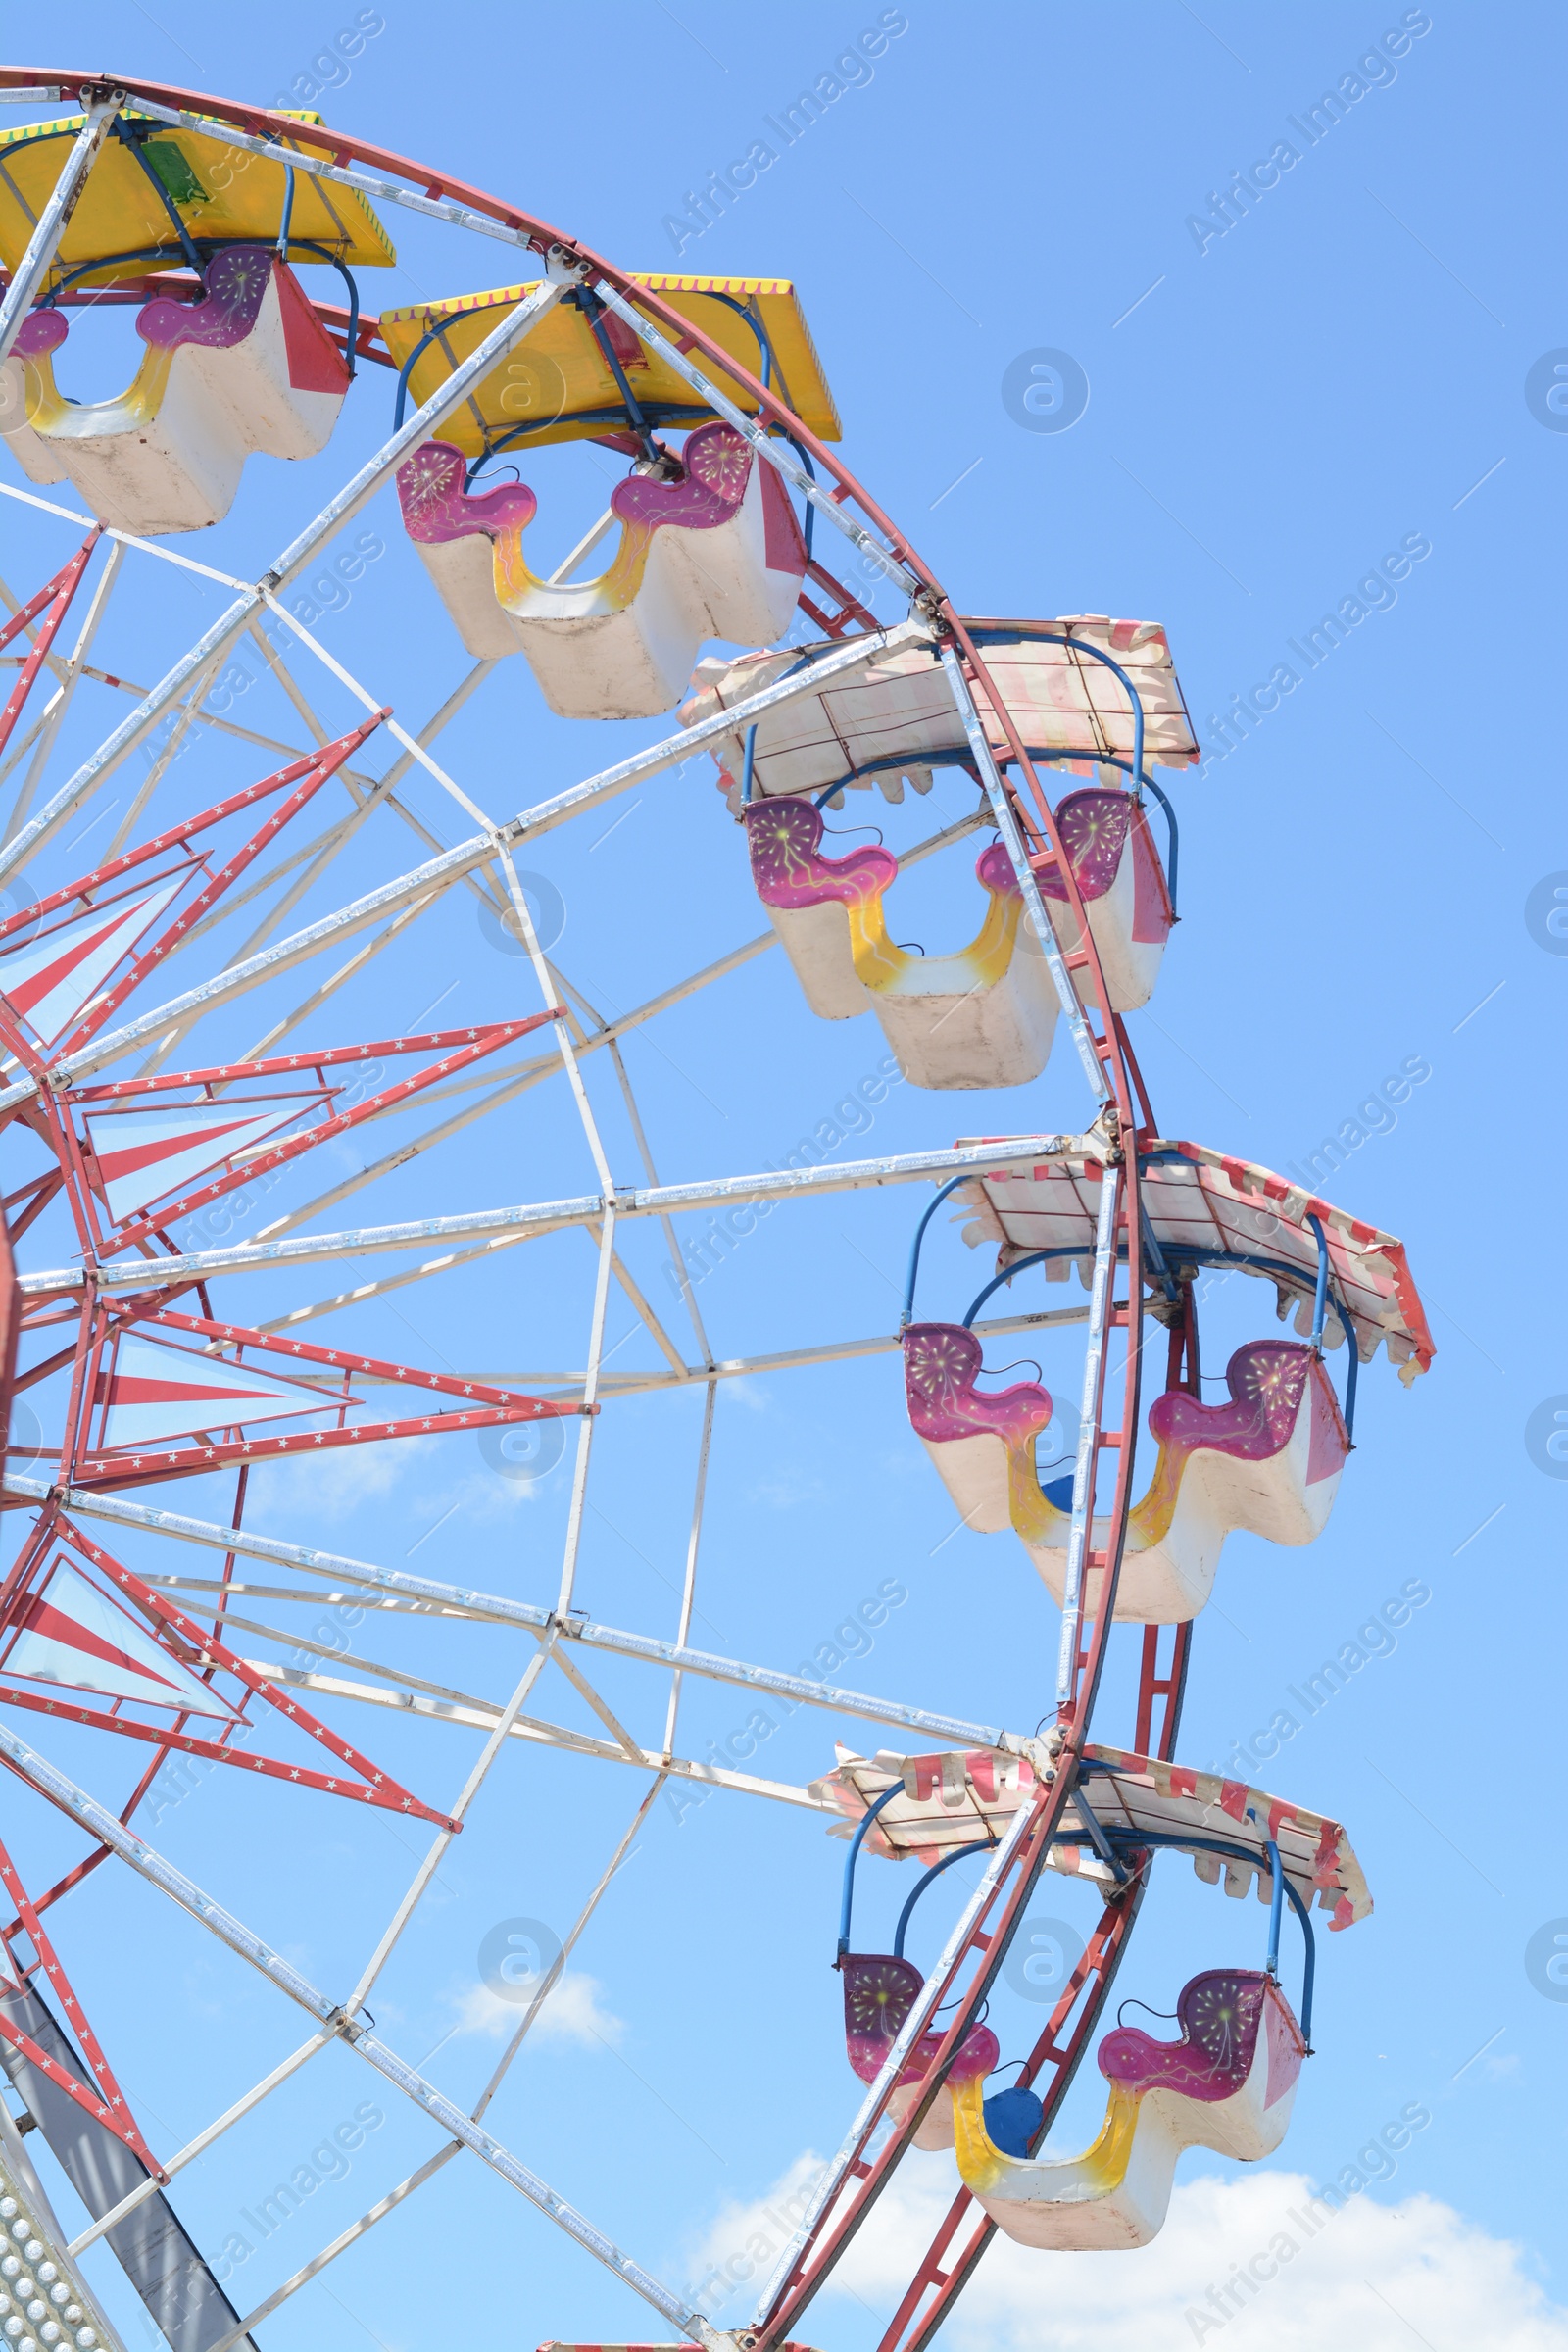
(219, 193)
(557, 386)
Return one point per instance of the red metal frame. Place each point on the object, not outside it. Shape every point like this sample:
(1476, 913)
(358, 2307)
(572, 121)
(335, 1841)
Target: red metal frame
(87, 1465)
(198, 1652)
(105, 2102)
(850, 607)
(458, 1046)
(56, 595)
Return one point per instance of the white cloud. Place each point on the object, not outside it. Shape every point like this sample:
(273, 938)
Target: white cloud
(340, 1480)
(1382, 2277)
(736, 2255)
(572, 2014)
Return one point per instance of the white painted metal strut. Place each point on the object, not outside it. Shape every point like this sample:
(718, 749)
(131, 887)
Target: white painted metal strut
(1080, 1533)
(54, 1785)
(301, 549)
(202, 2142)
(776, 453)
(42, 245)
(463, 1601)
(1033, 903)
(473, 1715)
(432, 2164)
(422, 881)
(550, 1216)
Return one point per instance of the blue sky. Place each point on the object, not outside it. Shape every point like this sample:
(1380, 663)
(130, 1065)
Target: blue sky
(1356, 366)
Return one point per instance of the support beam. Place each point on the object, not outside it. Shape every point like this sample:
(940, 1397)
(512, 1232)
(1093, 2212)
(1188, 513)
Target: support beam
(438, 873)
(506, 1225)
(460, 1601)
(301, 551)
(43, 244)
(54, 1785)
(479, 1717)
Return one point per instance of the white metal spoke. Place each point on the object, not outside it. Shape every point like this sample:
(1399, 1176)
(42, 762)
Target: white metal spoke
(475, 1716)
(433, 2164)
(301, 551)
(53, 221)
(1080, 1533)
(585, 1431)
(688, 1592)
(203, 2141)
(61, 1792)
(773, 1183)
(406, 1909)
(460, 1601)
(70, 673)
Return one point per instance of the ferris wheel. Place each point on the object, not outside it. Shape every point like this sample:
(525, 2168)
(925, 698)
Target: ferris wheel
(130, 1624)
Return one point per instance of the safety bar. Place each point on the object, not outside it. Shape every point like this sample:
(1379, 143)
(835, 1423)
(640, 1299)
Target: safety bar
(982, 1846)
(885, 1799)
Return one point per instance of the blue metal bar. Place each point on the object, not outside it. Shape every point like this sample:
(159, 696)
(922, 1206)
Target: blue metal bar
(1077, 645)
(920, 1236)
(1170, 827)
(592, 310)
(763, 342)
(308, 245)
(1275, 1908)
(1098, 1836)
(982, 1846)
(129, 137)
(866, 1819)
(799, 663)
(1184, 1254)
(1320, 1317)
(1043, 750)
(1241, 1853)
(1155, 1254)
(1035, 1258)
(416, 354)
(288, 213)
(670, 412)
(1320, 1300)
(810, 529)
